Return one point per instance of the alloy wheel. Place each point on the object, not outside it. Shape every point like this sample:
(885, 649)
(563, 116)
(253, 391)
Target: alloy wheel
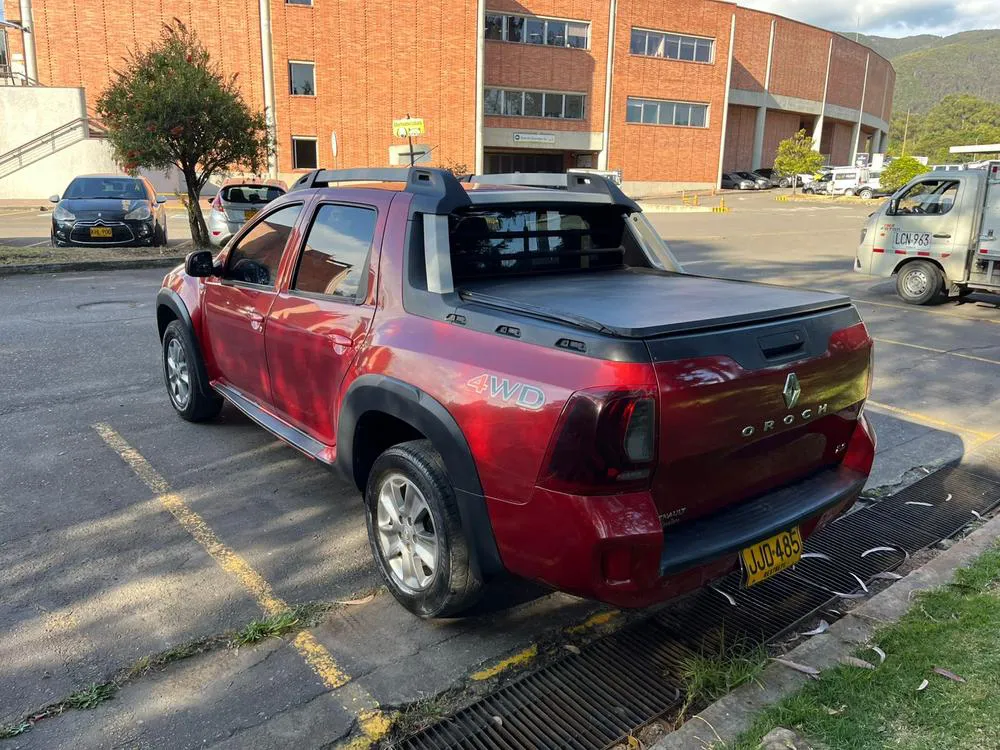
(406, 534)
(178, 374)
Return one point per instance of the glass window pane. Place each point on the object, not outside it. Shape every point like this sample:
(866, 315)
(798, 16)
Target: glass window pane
(515, 29)
(672, 47)
(304, 154)
(553, 105)
(633, 113)
(682, 114)
(574, 106)
(666, 113)
(649, 112)
(703, 52)
(255, 259)
(494, 27)
(336, 250)
(687, 49)
(576, 35)
(512, 103)
(532, 104)
(534, 31)
(638, 42)
(698, 115)
(492, 102)
(654, 44)
(301, 78)
(555, 33)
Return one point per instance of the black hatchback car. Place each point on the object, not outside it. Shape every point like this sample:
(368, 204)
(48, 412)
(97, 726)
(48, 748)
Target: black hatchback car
(109, 210)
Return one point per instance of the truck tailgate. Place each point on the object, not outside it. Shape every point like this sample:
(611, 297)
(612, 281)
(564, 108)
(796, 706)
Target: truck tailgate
(747, 410)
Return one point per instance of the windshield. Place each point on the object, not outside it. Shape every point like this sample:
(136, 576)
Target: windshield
(120, 188)
(251, 193)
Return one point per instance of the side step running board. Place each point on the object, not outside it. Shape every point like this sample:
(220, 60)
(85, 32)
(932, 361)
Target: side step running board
(294, 437)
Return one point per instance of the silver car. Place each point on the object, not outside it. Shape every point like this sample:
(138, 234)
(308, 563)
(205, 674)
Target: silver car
(237, 201)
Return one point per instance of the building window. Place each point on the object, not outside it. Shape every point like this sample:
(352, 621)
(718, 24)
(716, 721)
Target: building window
(657, 112)
(298, 2)
(302, 78)
(672, 46)
(305, 153)
(553, 105)
(552, 32)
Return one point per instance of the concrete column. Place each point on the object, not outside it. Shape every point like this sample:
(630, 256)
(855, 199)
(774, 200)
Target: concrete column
(758, 138)
(28, 35)
(856, 136)
(818, 128)
(480, 82)
(725, 101)
(267, 73)
(602, 157)
(878, 142)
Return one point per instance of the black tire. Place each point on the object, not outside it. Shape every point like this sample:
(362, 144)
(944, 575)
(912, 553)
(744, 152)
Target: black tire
(867, 194)
(849, 192)
(920, 282)
(454, 584)
(202, 403)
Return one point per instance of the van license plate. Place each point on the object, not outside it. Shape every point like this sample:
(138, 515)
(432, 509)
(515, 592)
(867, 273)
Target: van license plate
(771, 556)
(100, 232)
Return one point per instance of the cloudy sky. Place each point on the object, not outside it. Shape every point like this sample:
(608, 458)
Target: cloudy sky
(889, 17)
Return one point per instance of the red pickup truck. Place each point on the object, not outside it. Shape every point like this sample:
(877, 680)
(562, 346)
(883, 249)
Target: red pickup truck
(519, 376)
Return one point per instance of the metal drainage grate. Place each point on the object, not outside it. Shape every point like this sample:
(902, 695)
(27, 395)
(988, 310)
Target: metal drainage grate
(615, 685)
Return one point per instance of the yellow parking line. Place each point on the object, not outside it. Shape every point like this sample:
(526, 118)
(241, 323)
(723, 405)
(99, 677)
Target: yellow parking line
(373, 722)
(916, 308)
(939, 351)
(931, 421)
(519, 659)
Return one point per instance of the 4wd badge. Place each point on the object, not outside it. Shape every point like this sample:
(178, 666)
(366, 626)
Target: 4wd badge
(525, 396)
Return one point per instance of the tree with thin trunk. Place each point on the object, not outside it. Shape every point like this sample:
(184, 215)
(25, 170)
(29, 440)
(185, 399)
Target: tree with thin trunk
(173, 107)
(796, 156)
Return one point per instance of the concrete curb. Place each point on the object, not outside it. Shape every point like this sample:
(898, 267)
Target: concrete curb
(91, 265)
(727, 718)
(669, 208)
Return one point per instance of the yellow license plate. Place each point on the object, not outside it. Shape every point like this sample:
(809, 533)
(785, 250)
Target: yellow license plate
(249, 213)
(771, 556)
(100, 231)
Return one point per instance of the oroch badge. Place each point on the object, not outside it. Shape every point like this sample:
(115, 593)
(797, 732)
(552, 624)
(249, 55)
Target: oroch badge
(792, 390)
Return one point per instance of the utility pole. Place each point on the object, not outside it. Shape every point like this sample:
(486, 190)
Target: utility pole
(906, 130)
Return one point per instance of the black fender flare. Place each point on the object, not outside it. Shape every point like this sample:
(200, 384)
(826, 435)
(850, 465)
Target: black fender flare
(171, 300)
(424, 413)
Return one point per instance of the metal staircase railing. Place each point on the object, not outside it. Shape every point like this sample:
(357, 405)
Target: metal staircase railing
(49, 143)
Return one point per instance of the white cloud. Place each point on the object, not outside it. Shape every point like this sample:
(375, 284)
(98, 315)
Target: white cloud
(889, 17)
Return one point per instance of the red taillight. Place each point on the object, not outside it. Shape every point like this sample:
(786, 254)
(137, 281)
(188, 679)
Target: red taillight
(604, 443)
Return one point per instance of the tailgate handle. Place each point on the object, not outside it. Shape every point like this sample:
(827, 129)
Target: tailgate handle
(782, 345)
(942, 236)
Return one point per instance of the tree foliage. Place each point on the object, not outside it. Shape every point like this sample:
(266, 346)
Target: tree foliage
(173, 107)
(795, 155)
(900, 171)
(957, 120)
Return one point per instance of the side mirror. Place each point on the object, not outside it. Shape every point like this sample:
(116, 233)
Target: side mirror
(161, 199)
(199, 263)
(225, 240)
(54, 198)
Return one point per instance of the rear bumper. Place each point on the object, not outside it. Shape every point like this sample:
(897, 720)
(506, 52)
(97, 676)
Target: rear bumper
(614, 548)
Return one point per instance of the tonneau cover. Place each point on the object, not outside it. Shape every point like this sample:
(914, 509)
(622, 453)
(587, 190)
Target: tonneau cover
(639, 303)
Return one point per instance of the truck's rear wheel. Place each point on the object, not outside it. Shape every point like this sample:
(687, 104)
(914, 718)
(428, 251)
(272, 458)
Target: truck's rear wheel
(919, 282)
(416, 534)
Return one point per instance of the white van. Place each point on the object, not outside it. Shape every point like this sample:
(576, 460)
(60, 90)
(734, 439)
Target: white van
(845, 181)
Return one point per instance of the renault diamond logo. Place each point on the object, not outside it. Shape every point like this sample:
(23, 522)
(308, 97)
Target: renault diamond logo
(792, 390)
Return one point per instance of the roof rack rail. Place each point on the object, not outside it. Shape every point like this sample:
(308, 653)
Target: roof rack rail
(435, 191)
(576, 182)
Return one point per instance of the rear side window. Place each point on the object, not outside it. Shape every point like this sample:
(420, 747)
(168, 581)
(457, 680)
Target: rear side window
(336, 250)
(255, 259)
(508, 241)
(251, 193)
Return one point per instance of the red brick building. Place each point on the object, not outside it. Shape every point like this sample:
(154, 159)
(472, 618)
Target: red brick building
(664, 92)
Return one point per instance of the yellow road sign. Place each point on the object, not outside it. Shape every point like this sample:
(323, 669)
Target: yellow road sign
(411, 126)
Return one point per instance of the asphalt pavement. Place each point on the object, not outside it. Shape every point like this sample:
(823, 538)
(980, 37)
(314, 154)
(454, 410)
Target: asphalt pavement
(125, 531)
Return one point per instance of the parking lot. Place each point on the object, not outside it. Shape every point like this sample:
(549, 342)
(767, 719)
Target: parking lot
(29, 227)
(125, 531)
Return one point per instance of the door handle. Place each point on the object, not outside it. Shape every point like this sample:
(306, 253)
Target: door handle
(942, 236)
(338, 339)
(256, 320)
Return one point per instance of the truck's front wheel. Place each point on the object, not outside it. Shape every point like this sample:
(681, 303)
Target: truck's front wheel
(919, 282)
(416, 534)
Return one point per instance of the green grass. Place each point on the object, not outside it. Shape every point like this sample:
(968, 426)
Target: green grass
(720, 669)
(92, 696)
(267, 627)
(956, 627)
